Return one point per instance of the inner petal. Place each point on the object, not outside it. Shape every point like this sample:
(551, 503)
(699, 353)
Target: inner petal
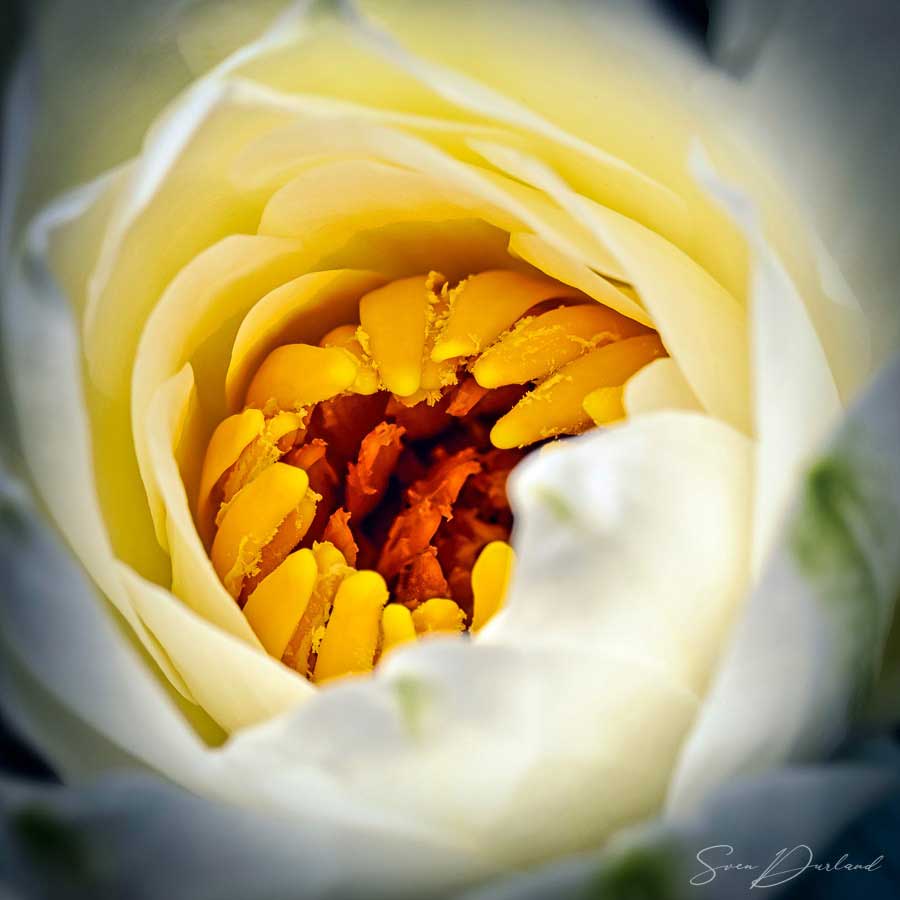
(405, 422)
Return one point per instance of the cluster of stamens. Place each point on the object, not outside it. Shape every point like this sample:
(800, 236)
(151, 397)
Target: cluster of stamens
(359, 502)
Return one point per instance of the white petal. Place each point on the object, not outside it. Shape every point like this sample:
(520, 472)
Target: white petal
(806, 653)
(633, 538)
(659, 385)
(509, 755)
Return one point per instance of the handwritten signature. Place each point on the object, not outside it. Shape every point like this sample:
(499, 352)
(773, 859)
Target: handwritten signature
(787, 864)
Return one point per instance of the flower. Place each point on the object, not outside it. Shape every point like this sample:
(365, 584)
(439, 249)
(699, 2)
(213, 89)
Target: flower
(325, 176)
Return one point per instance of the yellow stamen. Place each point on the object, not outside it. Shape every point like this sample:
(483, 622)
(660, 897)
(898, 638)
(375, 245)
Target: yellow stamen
(555, 406)
(490, 578)
(351, 636)
(393, 320)
(332, 569)
(396, 627)
(295, 376)
(227, 443)
(266, 448)
(252, 520)
(344, 336)
(277, 605)
(604, 405)
(438, 616)
(544, 343)
(487, 304)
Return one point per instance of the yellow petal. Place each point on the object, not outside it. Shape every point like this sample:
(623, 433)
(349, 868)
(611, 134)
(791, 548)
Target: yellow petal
(297, 375)
(490, 577)
(542, 344)
(351, 636)
(604, 405)
(252, 519)
(487, 305)
(555, 406)
(276, 606)
(572, 271)
(393, 320)
(438, 616)
(396, 627)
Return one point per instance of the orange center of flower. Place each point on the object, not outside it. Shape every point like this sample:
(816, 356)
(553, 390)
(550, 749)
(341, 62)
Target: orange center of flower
(359, 499)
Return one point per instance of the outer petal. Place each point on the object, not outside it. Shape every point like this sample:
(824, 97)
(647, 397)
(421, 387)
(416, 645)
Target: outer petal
(755, 818)
(136, 837)
(639, 534)
(501, 754)
(71, 683)
(806, 654)
(795, 398)
(820, 81)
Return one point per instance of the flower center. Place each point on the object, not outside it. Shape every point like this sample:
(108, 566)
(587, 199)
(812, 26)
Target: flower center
(358, 501)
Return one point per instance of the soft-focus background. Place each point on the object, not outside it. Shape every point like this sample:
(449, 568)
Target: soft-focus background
(878, 832)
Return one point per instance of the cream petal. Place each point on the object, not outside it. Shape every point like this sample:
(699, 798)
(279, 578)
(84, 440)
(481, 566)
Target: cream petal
(659, 385)
(795, 398)
(701, 324)
(194, 580)
(238, 685)
(805, 656)
(300, 311)
(322, 127)
(617, 183)
(438, 186)
(640, 533)
(195, 321)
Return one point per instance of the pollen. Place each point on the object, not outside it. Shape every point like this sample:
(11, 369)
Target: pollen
(357, 503)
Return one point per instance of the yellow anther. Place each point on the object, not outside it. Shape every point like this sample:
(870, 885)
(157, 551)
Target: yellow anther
(344, 336)
(396, 627)
(438, 616)
(542, 344)
(351, 636)
(276, 439)
(327, 556)
(277, 605)
(490, 578)
(295, 376)
(394, 318)
(556, 405)
(604, 405)
(228, 441)
(487, 305)
(251, 521)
